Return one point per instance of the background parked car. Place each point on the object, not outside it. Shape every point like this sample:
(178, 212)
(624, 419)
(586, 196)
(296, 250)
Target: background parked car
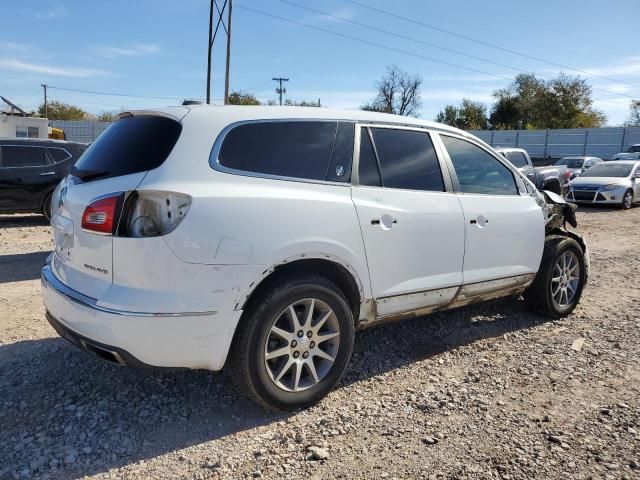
(616, 182)
(632, 153)
(578, 164)
(30, 169)
(554, 178)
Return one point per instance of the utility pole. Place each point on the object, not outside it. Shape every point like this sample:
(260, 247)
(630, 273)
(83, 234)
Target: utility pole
(211, 39)
(280, 90)
(45, 100)
(226, 75)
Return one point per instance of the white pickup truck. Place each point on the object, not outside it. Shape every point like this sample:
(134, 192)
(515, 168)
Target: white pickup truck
(553, 178)
(632, 153)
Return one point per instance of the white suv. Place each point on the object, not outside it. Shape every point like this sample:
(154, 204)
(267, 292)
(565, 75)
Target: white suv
(259, 239)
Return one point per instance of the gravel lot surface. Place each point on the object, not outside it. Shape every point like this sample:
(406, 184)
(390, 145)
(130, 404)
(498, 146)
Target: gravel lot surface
(488, 391)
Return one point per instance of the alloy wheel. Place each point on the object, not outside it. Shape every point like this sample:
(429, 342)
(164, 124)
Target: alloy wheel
(566, 279)
(302, 345)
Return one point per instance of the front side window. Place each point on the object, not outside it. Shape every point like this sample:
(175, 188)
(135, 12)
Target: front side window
(297, 149)
(477, 170)
(17, 156)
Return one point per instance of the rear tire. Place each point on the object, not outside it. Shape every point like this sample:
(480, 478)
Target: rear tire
(627, 200)
(46, 206)
(557, 288)
(286, 366)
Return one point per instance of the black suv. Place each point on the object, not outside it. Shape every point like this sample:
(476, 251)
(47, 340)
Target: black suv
(30, 169)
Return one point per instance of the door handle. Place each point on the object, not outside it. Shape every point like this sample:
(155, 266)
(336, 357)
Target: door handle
(46, 174)
(481, 221)
(386, 221)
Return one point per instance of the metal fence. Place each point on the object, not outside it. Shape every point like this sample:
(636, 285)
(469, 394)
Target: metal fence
(84, 131)
(599, 142)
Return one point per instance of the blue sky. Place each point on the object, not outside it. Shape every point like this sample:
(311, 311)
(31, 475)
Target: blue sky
(158, 48)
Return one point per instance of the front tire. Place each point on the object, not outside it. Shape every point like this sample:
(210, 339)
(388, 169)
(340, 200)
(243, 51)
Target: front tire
(627, 200)
(294, 344)
(557, 288)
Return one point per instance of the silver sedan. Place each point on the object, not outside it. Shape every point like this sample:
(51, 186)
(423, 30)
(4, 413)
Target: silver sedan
(616, 182)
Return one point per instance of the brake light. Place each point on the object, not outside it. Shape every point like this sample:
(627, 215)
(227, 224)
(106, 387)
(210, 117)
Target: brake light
(150, 213)
(102, 215)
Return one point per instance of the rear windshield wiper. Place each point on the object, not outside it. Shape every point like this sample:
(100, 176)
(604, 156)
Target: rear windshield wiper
(87, 174)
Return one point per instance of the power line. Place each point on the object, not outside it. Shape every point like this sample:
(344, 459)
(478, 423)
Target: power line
(405, 52)
(487, 44)
(369, 42)
(91, 92)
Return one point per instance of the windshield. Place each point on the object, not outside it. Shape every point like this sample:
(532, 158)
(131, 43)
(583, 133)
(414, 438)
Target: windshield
(634, 149)
(571, 162)
(619, 170)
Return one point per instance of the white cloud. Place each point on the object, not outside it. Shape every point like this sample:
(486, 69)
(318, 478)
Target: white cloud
(57, 12)
(61, 71)
(629, 66)
(136, 50)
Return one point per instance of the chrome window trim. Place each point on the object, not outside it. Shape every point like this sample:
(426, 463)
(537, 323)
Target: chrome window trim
(355, 178)
(46, 156)
(59, 148)
(50, 281)
(214, 156)
(517, 175)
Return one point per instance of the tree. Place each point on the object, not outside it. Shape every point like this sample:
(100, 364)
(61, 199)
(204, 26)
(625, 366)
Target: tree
(302, 103)
(107, 116)
(634, 114)
(62, 111)
(469, 115)
(398, 93)
(530, 103)
(240, 98)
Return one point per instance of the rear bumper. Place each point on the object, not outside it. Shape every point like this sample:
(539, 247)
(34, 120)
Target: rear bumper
(199, 340)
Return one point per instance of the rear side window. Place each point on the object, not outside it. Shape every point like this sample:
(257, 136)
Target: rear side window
(477, 170)
(290, 149)
(23, 156)
(59, 155)
(407, 159)
(130, 145)
(517, 159)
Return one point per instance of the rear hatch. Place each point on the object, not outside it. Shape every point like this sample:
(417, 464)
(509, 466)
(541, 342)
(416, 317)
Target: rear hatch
(114, 164)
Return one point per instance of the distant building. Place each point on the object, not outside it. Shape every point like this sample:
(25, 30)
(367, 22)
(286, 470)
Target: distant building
(23, 127)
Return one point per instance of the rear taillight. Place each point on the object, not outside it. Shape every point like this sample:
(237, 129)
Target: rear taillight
(102, 215)
(152, 213)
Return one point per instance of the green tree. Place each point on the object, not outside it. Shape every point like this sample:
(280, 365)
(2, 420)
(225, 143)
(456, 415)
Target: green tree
(469, 115)
(634, 114)
(398, 93)
(62, 111)
(240, 98)
(532, 103)
(302, 103)
(107, 116)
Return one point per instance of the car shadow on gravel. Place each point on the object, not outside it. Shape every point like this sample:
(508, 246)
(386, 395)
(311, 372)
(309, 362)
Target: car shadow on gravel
(16, 221)
(21, 266)
(67, 414)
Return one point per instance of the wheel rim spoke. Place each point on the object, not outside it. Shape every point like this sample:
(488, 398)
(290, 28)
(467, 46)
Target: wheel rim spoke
(565, 279)
(290, 356)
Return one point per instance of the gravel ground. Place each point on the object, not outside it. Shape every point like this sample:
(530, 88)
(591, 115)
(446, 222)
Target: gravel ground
(488, 391)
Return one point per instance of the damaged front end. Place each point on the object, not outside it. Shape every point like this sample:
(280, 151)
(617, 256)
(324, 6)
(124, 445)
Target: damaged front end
(558, 213)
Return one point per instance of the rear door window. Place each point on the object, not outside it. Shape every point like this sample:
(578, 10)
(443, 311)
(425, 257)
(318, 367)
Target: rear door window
(130, 145)
(407, 159)
(477, 170)
(23, 156)
(296, 149)
(368, 172)
(59, 155)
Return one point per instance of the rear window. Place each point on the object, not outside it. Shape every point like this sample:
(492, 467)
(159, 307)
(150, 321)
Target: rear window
(130, 145)
(23, 156)
(313, 150)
